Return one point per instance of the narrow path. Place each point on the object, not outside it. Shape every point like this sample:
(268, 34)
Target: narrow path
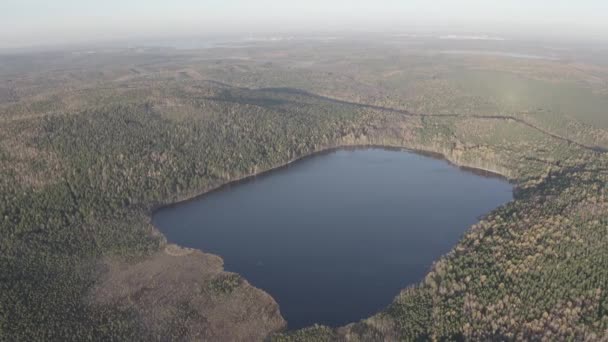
(294, 91)
(596, 149)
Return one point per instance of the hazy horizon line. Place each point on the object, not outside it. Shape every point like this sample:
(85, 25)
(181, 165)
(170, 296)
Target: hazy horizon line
(141, 40)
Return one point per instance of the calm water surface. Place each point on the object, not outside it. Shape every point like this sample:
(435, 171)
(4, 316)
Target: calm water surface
(333, 238)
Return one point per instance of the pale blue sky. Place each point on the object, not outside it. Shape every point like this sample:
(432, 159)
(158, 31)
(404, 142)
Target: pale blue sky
(29, 22)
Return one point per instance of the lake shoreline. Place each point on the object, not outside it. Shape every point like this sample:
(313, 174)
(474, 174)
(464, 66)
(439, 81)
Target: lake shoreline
(251, 176)
(299, 196)
(196, 195)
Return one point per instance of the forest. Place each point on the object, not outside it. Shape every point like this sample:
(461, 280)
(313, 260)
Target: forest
(87, 155)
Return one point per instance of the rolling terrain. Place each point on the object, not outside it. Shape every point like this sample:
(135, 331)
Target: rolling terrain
(92, 143)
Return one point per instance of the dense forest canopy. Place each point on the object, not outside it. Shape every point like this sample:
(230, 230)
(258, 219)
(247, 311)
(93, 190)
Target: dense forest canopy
(91, 144)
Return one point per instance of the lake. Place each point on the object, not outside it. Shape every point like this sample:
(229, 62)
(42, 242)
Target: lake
(335, 237)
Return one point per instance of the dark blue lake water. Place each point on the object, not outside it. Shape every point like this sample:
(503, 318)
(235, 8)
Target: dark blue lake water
(334, 237)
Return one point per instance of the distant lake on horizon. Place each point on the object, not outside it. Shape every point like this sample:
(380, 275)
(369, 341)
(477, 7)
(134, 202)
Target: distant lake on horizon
(333, 238)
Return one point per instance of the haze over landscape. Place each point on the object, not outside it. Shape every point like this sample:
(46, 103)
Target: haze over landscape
(38, 22)
(303, 171)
